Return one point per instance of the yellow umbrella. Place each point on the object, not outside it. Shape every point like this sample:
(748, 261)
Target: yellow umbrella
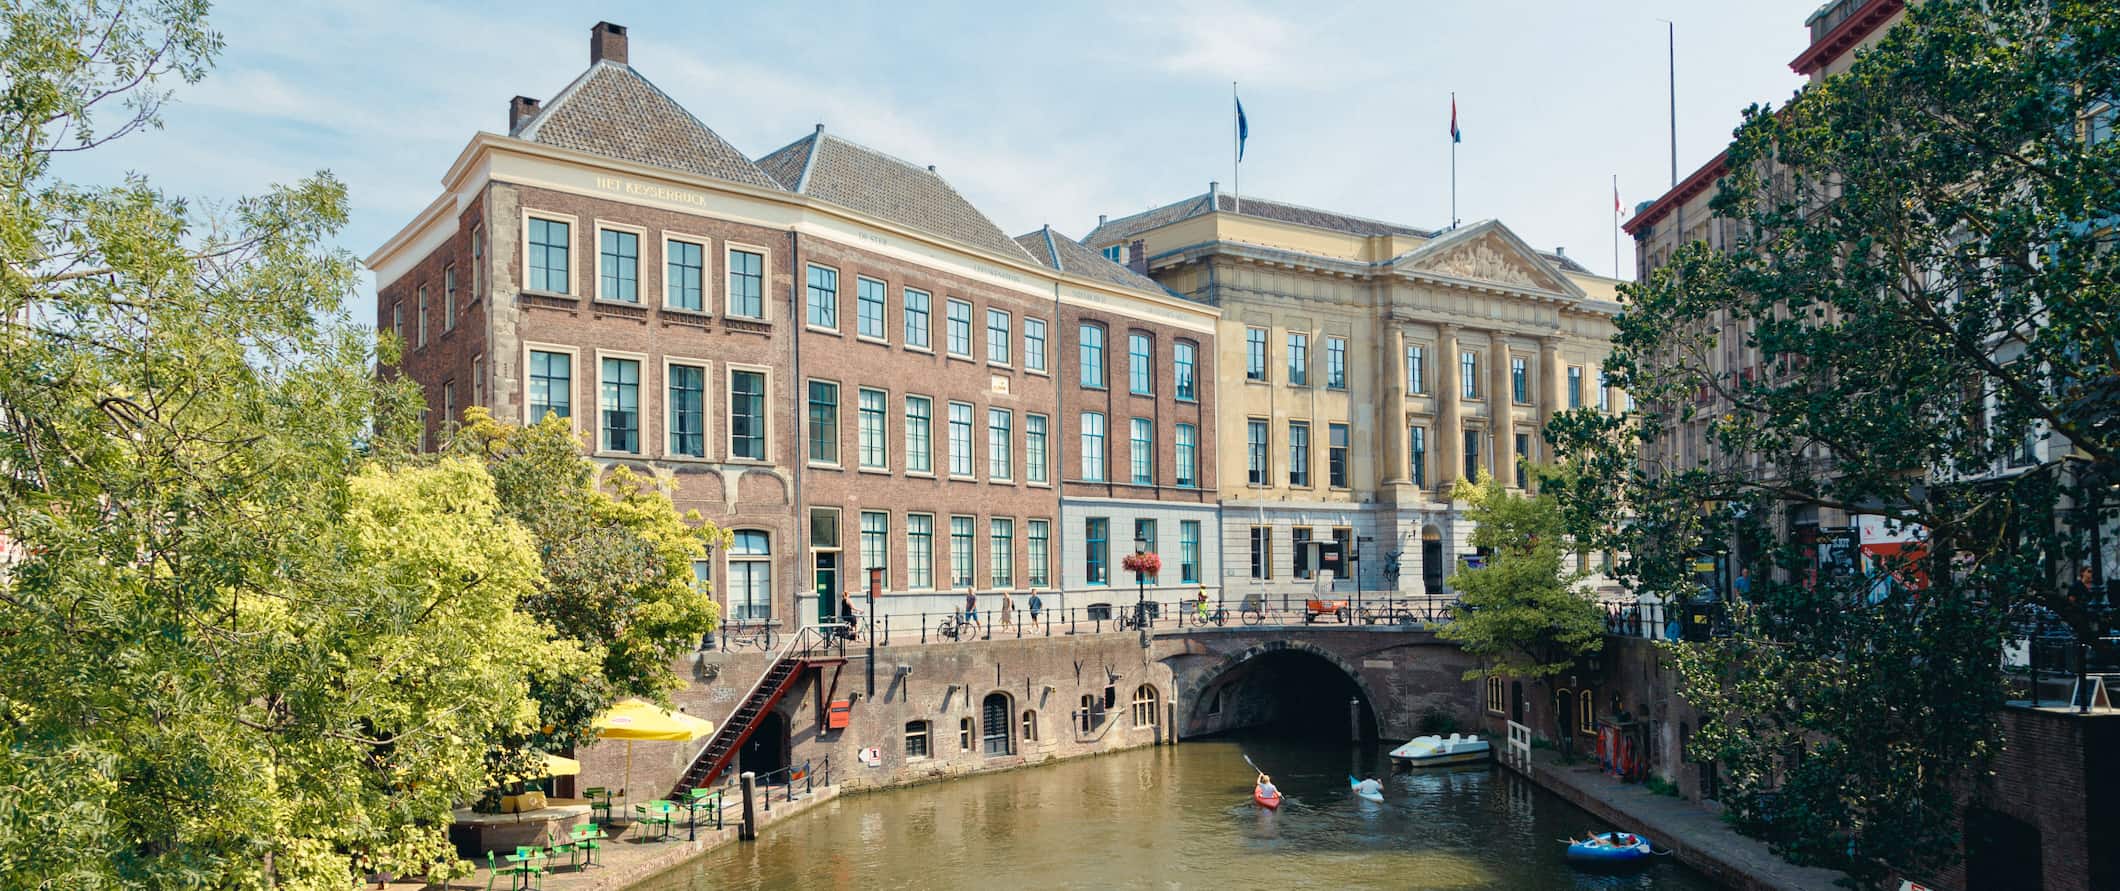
(633, 719)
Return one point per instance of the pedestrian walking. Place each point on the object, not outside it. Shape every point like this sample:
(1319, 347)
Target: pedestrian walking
(1035, 605)
(1008, 610)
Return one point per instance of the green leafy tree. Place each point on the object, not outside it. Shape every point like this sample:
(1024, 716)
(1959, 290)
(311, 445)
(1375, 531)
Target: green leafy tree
(617, 573)
(1522, 612)
(1923, 265)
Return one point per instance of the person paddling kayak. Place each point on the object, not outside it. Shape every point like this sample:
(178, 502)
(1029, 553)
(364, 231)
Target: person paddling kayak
(1265, 794)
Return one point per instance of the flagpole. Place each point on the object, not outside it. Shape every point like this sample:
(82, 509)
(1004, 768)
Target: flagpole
(1615, 225)
(1453, 160)
(1236, 151)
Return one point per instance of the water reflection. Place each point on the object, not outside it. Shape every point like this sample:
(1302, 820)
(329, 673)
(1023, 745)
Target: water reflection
(1179, 818)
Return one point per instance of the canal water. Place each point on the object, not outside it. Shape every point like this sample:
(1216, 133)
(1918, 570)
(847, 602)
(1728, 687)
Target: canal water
(1181, 818)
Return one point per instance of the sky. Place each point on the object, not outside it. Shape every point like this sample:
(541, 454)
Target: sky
(1037, 113)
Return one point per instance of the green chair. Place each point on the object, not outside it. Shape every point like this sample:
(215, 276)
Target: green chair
(562, 847)
(527, 863)
(588, 839)
(699, 799)
(655, 813)
(493, 870)
(599, 802)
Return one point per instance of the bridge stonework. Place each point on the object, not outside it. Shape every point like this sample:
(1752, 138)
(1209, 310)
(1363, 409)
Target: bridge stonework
(1399, 674)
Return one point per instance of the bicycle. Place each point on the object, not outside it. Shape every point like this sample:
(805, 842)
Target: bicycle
(1256, 609)
(743, 635)
(1217, 616)
(957, 626)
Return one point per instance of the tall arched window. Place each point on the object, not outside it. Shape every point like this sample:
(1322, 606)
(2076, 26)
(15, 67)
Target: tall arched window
(751, 575)
(1146, 712)
(998, 738)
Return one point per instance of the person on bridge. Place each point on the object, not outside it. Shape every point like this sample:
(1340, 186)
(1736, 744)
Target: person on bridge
(971, 606)
(1008, 610)
(1035, 605)
(1200, 604)
(849, 615)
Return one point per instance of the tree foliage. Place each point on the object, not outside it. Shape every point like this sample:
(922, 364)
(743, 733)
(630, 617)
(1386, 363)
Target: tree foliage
(1921, 265)
(1521, 612)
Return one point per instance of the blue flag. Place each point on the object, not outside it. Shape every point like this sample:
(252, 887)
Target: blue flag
(1243, 130)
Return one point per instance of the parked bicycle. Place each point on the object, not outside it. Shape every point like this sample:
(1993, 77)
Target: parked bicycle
(748, 634)
(958, 626)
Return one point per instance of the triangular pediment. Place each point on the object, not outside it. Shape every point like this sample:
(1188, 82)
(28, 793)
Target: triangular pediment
(1487, 252)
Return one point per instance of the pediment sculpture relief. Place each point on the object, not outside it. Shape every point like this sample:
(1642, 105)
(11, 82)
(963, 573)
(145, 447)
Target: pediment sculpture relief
(1484, 262)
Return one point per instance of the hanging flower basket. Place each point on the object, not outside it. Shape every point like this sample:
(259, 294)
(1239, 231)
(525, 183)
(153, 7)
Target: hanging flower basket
(1144, 564)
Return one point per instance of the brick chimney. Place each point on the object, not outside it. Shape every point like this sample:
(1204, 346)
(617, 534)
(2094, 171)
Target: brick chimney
(1137, 256)
(520, 109)
(607, 41)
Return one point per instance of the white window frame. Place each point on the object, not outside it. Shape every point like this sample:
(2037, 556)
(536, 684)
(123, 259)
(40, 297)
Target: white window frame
(574, 375)
(912, 583)
(971, 439)
(1044, 353)
(1003, 460)
(449, 298)
(574, 266)
(885, 320)
(706, 270)
(706, 408)
(906, 425)
(927, 343)
(883, 432)
(640, 243)
(1007, 342)
(765, 281)
(1044, 465)
(728, 378)
(646, 390)
(836, 279)
(971, 329)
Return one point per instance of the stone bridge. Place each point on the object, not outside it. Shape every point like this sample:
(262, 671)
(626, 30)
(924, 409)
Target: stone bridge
(1372, 681)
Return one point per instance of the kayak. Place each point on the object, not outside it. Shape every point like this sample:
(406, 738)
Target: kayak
(1356, 786)
(1272, 803)
(1602, 851)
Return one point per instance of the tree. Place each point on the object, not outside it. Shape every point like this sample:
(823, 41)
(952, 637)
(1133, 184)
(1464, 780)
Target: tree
(1521, 612)
(238, 650)
(617, 577)
(1922, 281)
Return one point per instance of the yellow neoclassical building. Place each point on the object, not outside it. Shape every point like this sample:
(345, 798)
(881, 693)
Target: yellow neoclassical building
(1364, 367)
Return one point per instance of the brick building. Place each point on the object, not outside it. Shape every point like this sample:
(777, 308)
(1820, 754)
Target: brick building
(825, 349)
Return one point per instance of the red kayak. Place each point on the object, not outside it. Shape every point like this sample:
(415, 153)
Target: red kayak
(1272, 803)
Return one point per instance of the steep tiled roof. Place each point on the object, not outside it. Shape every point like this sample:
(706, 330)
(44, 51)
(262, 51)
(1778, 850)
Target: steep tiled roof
(1265, 209)
(611, 110)
(861, 178)
(1070, 256)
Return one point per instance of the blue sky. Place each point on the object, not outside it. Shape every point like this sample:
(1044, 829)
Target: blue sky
(1039, 113)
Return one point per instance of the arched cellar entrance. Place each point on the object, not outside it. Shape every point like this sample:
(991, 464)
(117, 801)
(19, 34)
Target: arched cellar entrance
(1281, 688)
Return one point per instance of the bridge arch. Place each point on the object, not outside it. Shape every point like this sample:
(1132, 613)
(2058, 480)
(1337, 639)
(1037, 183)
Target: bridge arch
(1201, 689)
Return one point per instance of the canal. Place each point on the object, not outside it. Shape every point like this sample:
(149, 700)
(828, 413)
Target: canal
(1181, 817)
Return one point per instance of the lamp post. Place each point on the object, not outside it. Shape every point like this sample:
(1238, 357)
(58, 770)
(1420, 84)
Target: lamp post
(1141, 590)
(875, 583)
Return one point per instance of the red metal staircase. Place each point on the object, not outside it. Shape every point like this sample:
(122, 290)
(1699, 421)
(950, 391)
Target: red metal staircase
(808, 648)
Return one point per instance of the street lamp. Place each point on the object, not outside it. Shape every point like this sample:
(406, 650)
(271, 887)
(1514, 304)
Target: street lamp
(1141, 590)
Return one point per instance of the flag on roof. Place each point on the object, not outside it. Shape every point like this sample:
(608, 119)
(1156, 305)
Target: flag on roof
(1243, 129)
(1455, 136)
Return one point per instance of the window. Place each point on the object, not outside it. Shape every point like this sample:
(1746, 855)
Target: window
(751, 575)
(824, 549)
(1416, 369)
(875, 545)
(1030, 726)
(1092, 356)
(1189, 551)
(1494, 695)
(551, 385)
(1115, 253)
(1469, 374)
(1298, 359)
(1336, 363)
(397, 320)
(747, 415)
(1034, 448)
(1604, 392)
(478, 380)
(449, 297)
(684, 275)
(1147, 711)
(449, 400)
(961, 463)
(919, 551)
(1145, 532)
(1299, 453)
(961, 552)
(1262, 552)
(916, 739)
(1184, 364)
(824, 422)
(999, 460)
(1417, 455)
(478, 260)
(1039, 545)
(1255, 451)
(548, 255)
(1336, 455)
(1034, 344)
(916, 318)
(703, 576)
(870, 430)
(1140, 375)
(747, 284)
(1188, 455)
(998, 338)
(420, 323)
(919, 446)
(1585, 713)
(1523, 460)
(868, 307)
(995, 714)
(964, 734)
(1001, 552)
(1575, 386)
(1096, 551)
(1519, 381)
(1255, 354)
(1144, 452)
(1472, 454)
(1093, 446)
(1301, 556)
(823, 291)
(958, 328)
(619, 409)
(618, 265)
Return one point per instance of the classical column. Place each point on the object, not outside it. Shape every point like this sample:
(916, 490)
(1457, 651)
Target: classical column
(1553, 382)
(1501, 426)
(1449, 422)
(1393, 416)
